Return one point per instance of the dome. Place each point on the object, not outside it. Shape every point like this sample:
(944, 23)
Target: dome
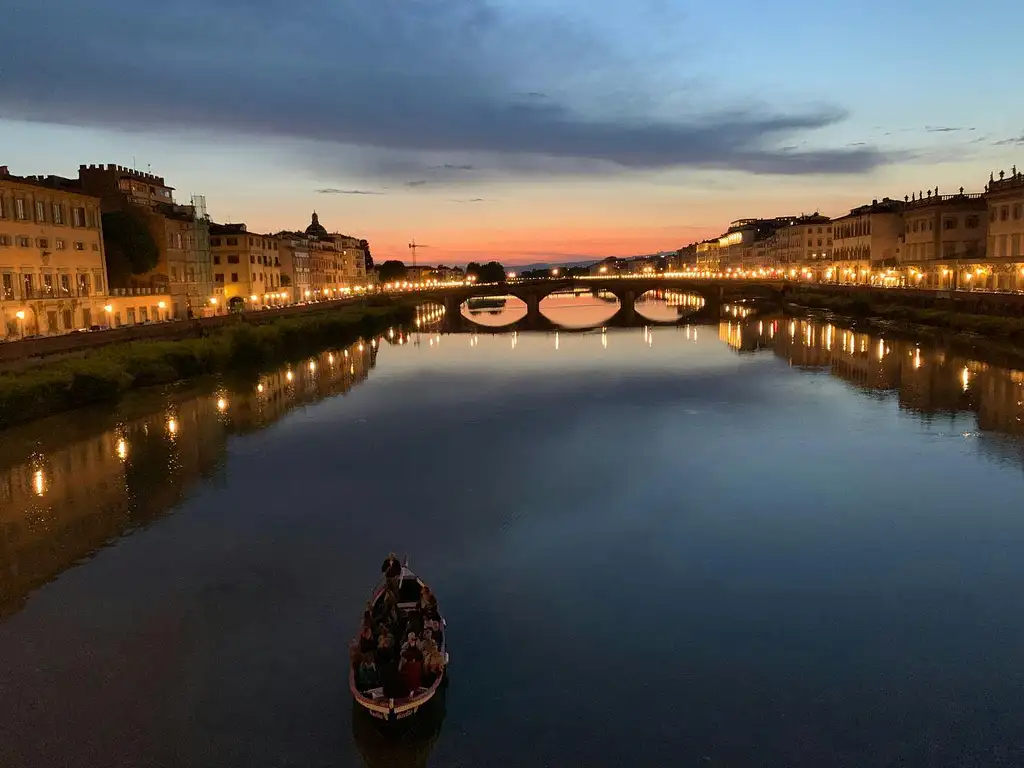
(316, 229)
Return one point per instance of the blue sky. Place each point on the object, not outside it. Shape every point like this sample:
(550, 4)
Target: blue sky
(516, 129)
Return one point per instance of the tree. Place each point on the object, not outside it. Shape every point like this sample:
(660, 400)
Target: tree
(365, 245)
(129, 244)
(392, 270)
(491, 272)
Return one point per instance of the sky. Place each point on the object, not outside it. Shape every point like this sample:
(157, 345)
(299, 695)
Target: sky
(521, 131)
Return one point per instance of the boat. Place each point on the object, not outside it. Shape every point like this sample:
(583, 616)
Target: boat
(385, 704)
(486, 302)
(410, 747)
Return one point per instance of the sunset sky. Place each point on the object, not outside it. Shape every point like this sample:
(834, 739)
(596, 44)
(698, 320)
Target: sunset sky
(524, 131)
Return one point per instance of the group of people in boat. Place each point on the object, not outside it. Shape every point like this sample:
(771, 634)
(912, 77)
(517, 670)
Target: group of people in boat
(399, 647)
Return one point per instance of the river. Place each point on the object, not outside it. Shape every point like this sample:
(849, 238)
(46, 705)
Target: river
(770, 542)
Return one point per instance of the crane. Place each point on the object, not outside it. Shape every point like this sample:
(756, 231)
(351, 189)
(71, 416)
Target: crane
(412, 247)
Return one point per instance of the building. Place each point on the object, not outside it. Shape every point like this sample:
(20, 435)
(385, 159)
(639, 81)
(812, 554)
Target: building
(247, 266)
(866, 239)
(181, 233)
(337, 262)
(709, 256)
(803, 243)
(943, 237)
(1004, 198)
(295, 276)
(53, 276)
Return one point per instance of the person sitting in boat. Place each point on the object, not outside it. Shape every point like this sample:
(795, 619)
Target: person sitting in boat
(367, 640)
(428, 603)
(412, 643)
(392, 570)
(427, 644)
(385, 646)
(411, 672)
(366, 674)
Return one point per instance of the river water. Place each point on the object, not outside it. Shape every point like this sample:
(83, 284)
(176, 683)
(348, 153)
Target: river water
(771, 542)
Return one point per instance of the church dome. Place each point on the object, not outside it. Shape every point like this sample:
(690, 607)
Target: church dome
(316, 229)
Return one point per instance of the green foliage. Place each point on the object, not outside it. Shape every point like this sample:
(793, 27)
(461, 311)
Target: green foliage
(491, 272)
(129, 244)
(107, 373)
(392, 270)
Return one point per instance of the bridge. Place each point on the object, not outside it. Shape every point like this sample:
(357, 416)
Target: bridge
(626, 290)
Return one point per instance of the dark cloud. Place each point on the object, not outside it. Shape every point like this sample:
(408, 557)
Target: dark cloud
(944, 129)
(452, 167)
(334, 191)
(1017, 141)
(412, 79)
(417, 183)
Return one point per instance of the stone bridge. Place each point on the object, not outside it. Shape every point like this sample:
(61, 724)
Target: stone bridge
(626, 290)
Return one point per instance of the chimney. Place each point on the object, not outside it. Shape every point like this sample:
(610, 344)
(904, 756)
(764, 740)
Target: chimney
(4, 171)
(874, 202)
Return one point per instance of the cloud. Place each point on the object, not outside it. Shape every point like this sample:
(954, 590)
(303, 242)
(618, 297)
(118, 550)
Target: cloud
(451, 77)
(335, 191)
(417, 183)
(1015, 141)
(472, 200)
(945, 129)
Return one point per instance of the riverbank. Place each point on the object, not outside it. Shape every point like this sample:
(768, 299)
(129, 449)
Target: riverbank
(969, 333)
(105, 375)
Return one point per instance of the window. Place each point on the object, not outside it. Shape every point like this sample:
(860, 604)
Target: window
(68, 318)
(86, 317)
(1004, 213)
(19, 209)
(7, 286)
(143, 314)
(214, 241)
(96, 246)
(26, 284)
(174, 274)
(971, 222)
(130, 313)
(48, 285)
(234, 277)
(40, 211)
(83, 285)
(1015, 245)
(3, 208)
(218, 277)
(232, 241)
(948, 250)
(58, 213)
(232, 258)
(177, 240)
(79, 245)
(1016, 210)
(5, 240)
(252, 242)
(65, 285)
(992, 215)
(216, 259)
(24, 242)
(252, 259)
(98, 281)
(43, 243)
(78, 217)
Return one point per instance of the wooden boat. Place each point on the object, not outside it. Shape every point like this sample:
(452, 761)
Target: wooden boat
(384, 704)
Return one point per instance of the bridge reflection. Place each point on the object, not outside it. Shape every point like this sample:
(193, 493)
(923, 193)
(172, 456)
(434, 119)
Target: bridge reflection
(71, 484)
(927, 381)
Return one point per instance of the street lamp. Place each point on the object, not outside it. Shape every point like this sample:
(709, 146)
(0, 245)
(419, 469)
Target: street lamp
(20, 314)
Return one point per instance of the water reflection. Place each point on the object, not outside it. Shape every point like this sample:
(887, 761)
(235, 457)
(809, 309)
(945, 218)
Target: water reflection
(66, 491)
(927, 380)
(579, 308)
(661, 306)
(494, 311)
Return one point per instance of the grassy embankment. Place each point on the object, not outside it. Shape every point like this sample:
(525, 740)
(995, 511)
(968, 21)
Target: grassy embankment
(1007, 330)
(105, 374)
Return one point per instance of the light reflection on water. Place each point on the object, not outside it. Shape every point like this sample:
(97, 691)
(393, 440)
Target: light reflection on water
(821, 574)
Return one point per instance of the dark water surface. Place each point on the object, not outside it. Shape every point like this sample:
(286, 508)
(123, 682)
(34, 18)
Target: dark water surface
(769, 543)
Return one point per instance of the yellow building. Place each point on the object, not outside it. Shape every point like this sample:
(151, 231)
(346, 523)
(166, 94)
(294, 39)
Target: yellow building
(53, 277)
(247, 266)
(866, 240)
(944, 239)
(804, 243)
(1005, 200)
